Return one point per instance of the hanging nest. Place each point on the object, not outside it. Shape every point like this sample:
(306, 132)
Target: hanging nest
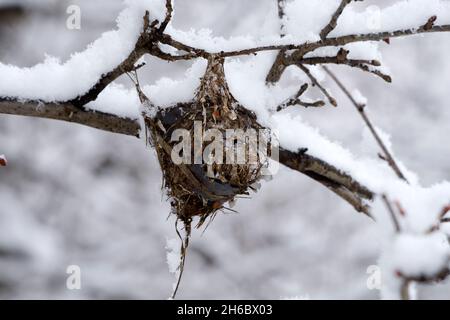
(201, 189)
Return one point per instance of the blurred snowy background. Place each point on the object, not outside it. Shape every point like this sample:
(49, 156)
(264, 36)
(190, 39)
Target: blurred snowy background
(71, 195)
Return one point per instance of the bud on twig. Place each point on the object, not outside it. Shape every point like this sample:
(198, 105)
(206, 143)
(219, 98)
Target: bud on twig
(3, 161)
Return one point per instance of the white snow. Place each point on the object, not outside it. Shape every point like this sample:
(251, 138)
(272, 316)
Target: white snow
(118, 100)
(53, 80)
(359, 98)
(412, 256)
(166, 91)
(173, 255)
(416, 255)
(400, 15)
(314, 14)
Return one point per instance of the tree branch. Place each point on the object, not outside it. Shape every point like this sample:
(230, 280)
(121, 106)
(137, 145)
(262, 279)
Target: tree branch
(337, 181)
(295, 100)
(392, 213)
(70, 113)
(333, 22)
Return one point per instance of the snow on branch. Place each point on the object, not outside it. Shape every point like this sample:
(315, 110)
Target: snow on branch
(404, 18)
(412, 257)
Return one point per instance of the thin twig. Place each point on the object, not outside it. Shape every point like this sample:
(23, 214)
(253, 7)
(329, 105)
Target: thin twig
(336, 42)
(169, 13)
(441, 219)
(295, 100)
(433, 278)
(193, 52)
(333, 22)
(318, 85)
(279, 60)
(444, 212)
(341, 58)
(337, 60)
(360, 108)
(298, 102)
(281, 13)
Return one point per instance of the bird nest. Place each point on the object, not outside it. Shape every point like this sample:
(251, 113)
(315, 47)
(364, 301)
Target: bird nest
(207, 178)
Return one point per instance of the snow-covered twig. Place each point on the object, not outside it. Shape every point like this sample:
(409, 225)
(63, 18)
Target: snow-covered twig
(295, 58)
(403, 257)
(318, 85)
(360, 108)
